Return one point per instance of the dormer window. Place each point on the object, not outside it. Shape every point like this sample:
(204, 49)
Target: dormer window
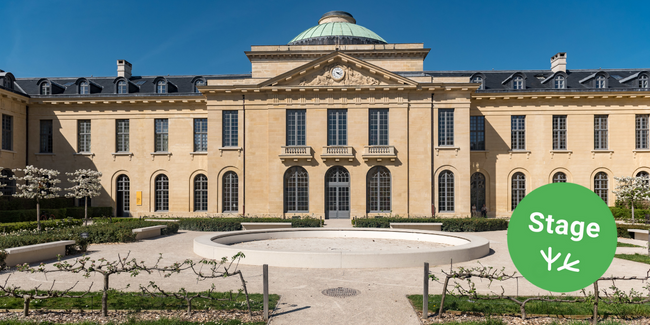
(643, 81)
(122, 87)
(161, 87)
(559, 82)
(601, 82)
(478, 80)
(84, 88)
(518, 83)
(46, 89)
(198, 83)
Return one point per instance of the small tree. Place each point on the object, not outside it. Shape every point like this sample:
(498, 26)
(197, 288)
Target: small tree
(632, 189)
(87, 185)
(37, 183)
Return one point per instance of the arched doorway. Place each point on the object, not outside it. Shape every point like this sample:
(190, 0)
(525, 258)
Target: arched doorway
(123, 196)
(478, 191)
(337, 193)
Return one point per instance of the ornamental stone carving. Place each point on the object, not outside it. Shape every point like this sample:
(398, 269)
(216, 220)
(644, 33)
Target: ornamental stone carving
(352, 77)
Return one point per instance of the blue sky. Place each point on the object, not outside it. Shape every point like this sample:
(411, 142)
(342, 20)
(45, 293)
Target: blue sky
(82, 38)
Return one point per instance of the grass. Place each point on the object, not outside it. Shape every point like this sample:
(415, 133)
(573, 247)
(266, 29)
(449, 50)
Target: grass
(506, 307)
(136, 302)
(490, 321)
(636, 257)
(619, 244)
(164, 321)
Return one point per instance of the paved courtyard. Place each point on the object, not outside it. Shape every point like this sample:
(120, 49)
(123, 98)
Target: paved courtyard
(383, 291)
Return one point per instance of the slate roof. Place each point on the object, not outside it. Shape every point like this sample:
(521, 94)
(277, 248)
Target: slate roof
(107, 86)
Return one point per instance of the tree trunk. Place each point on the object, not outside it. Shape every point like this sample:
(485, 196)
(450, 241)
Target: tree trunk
(522, 309)
(248, 302)
(444, 294)
(594, 320)
(38, 215)
(189, 306)
(86, 211)
(105, 296)
(26, 300)
(632, 211)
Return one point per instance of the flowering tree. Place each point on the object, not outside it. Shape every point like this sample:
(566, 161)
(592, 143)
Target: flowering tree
(632, 189)
(2, 183)
(37, 183)
(87, 186)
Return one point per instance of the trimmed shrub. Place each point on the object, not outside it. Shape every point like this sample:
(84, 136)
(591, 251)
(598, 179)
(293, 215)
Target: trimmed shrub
(30, 215)
(32, 225)
(232, 224)
(14, 203)
(621, 213)
(448, 224)
(622, 229)
(93, 212)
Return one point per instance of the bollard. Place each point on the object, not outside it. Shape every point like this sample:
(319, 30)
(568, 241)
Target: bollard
(265, 277)
(425, 294)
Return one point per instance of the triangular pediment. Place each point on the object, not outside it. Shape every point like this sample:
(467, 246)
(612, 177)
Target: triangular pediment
(337, 69)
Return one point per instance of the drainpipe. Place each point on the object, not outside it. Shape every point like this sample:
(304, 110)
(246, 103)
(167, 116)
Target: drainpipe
(26, 135)
(433, 180)
(243, 206)
(408, 161)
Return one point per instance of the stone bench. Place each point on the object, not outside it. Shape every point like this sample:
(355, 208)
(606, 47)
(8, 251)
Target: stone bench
(162, 220)
(265, 225)
(435, 226)
(639, 234)
(148, 232)
(36, 253)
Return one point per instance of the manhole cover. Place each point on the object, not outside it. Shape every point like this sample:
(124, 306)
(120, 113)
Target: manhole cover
(340, 292)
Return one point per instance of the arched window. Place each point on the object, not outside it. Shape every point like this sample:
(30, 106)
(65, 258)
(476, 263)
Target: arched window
(477, 188)
(518, 188)
(446, 191)
(478, 80)
(230, 192)
(84, 88)
(9, 187)
(296, 190)
(643, 81)
(123, 196)
(162, 193)
(559, 177)
(601, 185)
(161, 87)
(379, 190)
(518, 82)
(601, 82)
(198, 83)
(122, 87)
(560, 82)
(200, 193)
(46, 89)
(644, 175)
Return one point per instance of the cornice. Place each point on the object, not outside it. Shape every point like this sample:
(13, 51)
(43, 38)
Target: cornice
(422, 53)
(560, 95)
(99, 101)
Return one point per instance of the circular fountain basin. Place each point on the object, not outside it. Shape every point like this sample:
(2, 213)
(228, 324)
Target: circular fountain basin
(343, 248)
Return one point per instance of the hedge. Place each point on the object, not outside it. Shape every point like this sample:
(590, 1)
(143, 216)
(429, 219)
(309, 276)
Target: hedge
(448, 224)
(621, 229)
(76, 213)
(232, 224)
(32, 225)
(14, 203)
(621, 213)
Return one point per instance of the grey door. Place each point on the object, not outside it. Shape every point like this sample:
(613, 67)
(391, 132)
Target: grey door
(337, 191)
(123, 196)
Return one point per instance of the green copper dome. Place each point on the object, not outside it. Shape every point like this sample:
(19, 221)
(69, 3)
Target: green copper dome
(337, 27)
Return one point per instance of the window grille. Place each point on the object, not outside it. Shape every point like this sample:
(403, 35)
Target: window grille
(200, 193)
(337, 127)
(162, 135)
(642, 131)
(446, 191)
(161, 87)
(601, 185)
(162, 193)
(83, 135)
(601, 82)
(379, 190)
(478, 80)
(560, 82)
(230, 128)
(46, 89)
(518, 83)
(600, 132)
(477, 132)
(230, 192)
(378, 127)
(296, 127)
(445, 127)
(200, 134)
(121, 87)
(123, 194)
(84, 88)
(122, 135)
(559, 132)
(559, 177)
(518, 133)
(46, 136)
(296, 190)
(7, 132)
(518, 189)
(643, 81)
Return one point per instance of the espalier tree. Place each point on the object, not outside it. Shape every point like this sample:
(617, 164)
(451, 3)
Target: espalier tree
(37, 183)
(87, 185)
(632, 189)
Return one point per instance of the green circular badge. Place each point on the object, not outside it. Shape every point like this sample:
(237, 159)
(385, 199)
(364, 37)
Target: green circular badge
(562, 237)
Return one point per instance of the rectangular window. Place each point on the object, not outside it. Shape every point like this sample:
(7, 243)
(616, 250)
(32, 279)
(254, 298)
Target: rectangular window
(446, 127)
(559, 132)
(200, 134)
(296, 127)
(337, 127)
(7, 132)
(477, 132)
(230, 126)
(162, 135)
(641, 131)
(122, 136)
(378, 127)
(83, 136)
(518, 135)
(600, 132)
(46, 136)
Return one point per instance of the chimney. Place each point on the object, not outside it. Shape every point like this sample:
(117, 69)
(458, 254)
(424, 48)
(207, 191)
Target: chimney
(558, 62)
(123, 69)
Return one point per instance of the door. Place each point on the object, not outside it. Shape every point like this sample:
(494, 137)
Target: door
(123, 196)
(477, 193)
(337, 192)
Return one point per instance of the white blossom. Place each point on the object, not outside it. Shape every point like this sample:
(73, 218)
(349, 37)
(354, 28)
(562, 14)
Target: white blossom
(87, 184)
(632, 189)
(37, 183)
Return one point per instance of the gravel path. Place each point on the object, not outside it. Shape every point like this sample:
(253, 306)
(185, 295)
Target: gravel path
(339, 244)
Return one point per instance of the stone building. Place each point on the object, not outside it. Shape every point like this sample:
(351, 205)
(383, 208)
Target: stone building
(337, 123)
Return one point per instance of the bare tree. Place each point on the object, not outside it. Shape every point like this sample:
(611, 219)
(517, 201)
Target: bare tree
(37, 183)
(87, 185)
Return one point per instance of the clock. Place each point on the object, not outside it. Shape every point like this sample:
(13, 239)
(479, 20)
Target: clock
(338, 73)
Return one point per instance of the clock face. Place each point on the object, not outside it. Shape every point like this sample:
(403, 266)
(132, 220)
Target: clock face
(338, 73)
